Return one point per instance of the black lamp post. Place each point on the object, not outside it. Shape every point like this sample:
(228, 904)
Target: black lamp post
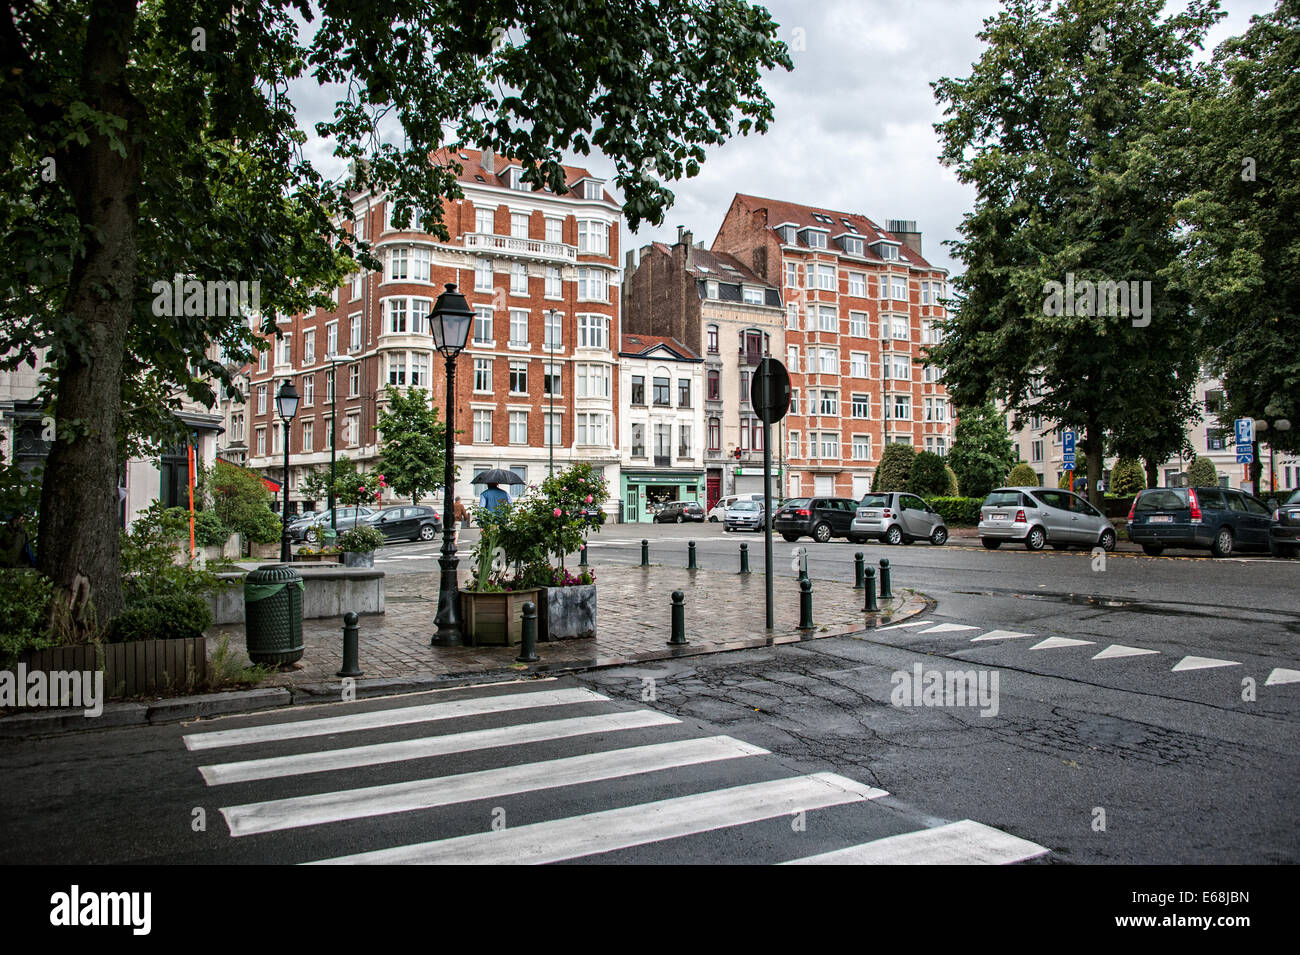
(450, 323)
(286, 406)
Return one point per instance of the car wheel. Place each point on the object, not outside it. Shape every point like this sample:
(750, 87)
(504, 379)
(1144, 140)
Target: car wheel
(726, 528)
(1035, 539)
(790, 538)
(310, 535)
(713, 520)
(822, 533)
(1153, 550)
(894, 535)
(990, 544)
(680, 518)
(428, 532)
(1222, 546)
(1107, 542)
(939, 536)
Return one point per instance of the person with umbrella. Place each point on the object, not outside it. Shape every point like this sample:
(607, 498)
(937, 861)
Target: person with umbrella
(493, 496)
(494, 478)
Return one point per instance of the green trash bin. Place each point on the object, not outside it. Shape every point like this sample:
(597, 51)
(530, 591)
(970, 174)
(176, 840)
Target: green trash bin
(273, 614)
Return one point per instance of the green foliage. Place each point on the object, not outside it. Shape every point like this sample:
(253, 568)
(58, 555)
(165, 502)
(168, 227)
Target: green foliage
(228, 667)
(315, 485)
(361, 490)
(895, 469)
(952, 488)
(25, 596)
(1127, 477)
(20, 492)
(162, 617)
(1202, 472)
(981, 452)
(1080, 472)
(151, 570)
(929, 475)
(1022, 475)
(208, 529)
(413, 457)
(242, 503)
(360, 540)
(957, 511)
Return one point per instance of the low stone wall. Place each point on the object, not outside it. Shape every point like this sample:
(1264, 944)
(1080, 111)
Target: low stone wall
(331, 591)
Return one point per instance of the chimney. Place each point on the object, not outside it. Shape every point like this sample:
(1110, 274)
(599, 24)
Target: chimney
(489, 161)
(629, 262)
(684, 236)
(905, 231)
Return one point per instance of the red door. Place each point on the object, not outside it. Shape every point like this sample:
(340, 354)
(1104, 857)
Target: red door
(714, 490)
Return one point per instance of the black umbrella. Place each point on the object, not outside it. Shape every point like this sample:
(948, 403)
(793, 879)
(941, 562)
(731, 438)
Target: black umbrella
(497, 476)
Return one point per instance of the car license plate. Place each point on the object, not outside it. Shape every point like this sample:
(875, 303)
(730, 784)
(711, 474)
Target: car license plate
(997, 517)
(866, 514)
(1160, 519)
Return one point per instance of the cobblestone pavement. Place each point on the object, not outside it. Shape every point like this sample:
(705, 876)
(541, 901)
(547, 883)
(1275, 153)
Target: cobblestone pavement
(724, 611)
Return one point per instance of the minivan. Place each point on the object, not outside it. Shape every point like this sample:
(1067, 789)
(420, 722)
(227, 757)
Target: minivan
(1219, 518)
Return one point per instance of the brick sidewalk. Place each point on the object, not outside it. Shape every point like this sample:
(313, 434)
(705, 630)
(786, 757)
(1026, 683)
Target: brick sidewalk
(724, 611)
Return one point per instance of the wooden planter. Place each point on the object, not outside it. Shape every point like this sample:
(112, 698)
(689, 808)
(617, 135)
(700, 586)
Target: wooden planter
(495, 619)
(136, 668)
(317, 558)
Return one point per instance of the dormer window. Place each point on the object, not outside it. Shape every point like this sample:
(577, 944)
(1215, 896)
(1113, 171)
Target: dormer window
(593, 189)
(886, 250)
(752, 296)
(813, 238)
(787, 233)
(851, 245)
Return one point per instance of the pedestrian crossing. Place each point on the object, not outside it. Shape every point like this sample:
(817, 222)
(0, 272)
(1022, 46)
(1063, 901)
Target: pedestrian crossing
(542, 772)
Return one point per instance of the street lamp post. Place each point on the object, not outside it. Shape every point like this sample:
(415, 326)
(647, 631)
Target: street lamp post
(450, 323)
(286, 405)
(335, 361)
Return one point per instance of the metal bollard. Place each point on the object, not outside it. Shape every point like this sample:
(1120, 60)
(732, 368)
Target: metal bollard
(350, 637)
(805, 604)
(678, 638)
(885, 592)
(528, 641)
(858, 562)
(645, 552)
(690, 556)
(744, 558)
(582, 555)
(869, 578)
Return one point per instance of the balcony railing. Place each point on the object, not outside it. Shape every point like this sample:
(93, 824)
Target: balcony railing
(526, 248)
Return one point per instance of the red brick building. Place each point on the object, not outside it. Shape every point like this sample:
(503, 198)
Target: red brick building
(541, 272)
(861, 302)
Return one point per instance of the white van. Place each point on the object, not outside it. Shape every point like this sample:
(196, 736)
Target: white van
(719, 512)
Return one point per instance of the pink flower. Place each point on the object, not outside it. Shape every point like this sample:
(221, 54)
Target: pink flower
(588, 498)
(557, 512)
(582, 547)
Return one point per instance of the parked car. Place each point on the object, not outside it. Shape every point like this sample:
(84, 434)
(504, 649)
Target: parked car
(1221, 519)
(820, 518)
(675, 512)
(1037, 516)
(897, 519)
(744, 516)
(1284, 535)
(409, 522)
(719, 510)
(308, 527)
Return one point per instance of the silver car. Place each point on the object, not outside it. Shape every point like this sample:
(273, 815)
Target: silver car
(1037, 516)
(897, 519)
(744, 516)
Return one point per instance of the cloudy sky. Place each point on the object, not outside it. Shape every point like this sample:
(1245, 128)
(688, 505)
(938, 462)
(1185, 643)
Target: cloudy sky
(854, 120)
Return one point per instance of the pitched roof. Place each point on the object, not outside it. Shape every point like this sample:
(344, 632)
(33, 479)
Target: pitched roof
(638, 345)
(780, 212)
(472, 172)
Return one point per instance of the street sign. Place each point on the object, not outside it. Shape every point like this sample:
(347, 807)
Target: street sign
(1245, 455)
(1245, 431)
(1067, 445)
(769, 392)
(1067, 466)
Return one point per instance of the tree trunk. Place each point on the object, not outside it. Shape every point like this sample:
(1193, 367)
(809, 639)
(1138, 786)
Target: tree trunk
(78, 533)
(1094, 456)
(1153, 472)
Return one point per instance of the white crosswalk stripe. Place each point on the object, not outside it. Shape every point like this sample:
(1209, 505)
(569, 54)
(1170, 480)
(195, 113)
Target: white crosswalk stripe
(958, 843)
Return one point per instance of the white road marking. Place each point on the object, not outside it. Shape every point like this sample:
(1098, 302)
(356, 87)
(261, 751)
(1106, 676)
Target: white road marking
(1117, 650)
(957, 843)
(899, 626)
(613, 829)
(1202, 663)
(1051, 643)
(321, 808)
(1000, 635)
(425, 747)
(950, 628)
(397, 716)
(1282, 675)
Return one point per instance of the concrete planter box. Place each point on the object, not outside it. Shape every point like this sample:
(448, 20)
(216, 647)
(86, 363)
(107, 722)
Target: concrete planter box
(353, 558)
(135, 668)
(569, 612)
(329, 591)
(495, 619)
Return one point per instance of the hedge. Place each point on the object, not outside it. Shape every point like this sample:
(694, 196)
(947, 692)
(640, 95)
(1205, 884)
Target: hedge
(958, 511)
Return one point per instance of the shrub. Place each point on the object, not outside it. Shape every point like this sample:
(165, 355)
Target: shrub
(895, 468)
(25, 596)
(957, 511)
(242, 503)
(981, 451)
(162, 617)
(208, 529)
(1127, 477)
(1022, 475)
(360, 540)
(929, 475)
(1202, 472)
(953, 489)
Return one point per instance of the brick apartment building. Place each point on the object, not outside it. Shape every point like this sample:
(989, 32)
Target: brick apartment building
(713, 303)
(541, 272)
(861, 302)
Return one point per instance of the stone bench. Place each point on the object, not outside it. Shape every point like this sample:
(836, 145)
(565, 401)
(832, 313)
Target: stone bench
(331, 590)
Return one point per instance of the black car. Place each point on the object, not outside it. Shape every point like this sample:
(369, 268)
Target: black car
(820, 518)
(407, 523)
(1284, 535)
(677, 512)
(1219, 518)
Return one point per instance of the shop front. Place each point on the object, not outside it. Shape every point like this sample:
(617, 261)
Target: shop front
(644, 493)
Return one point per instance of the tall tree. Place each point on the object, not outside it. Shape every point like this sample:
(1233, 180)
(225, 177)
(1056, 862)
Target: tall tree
(1047, 128)
(154, 138)
(414, 444)
(981, 452)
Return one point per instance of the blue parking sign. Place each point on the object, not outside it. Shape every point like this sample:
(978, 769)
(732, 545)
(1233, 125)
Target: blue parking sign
(1067, 443)
(1245, 431)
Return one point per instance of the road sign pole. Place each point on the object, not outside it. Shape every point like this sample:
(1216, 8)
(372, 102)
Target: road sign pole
(767, 502)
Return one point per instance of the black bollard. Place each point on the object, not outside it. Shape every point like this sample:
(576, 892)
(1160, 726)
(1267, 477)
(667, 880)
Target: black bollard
(858, 562)
(679, 620)
(744, 558)
(805, 604)
(885, 591)
(869, 579)
(528, 638)
(690, 556)
(582, 555)
(350, 636)
(645, 552)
